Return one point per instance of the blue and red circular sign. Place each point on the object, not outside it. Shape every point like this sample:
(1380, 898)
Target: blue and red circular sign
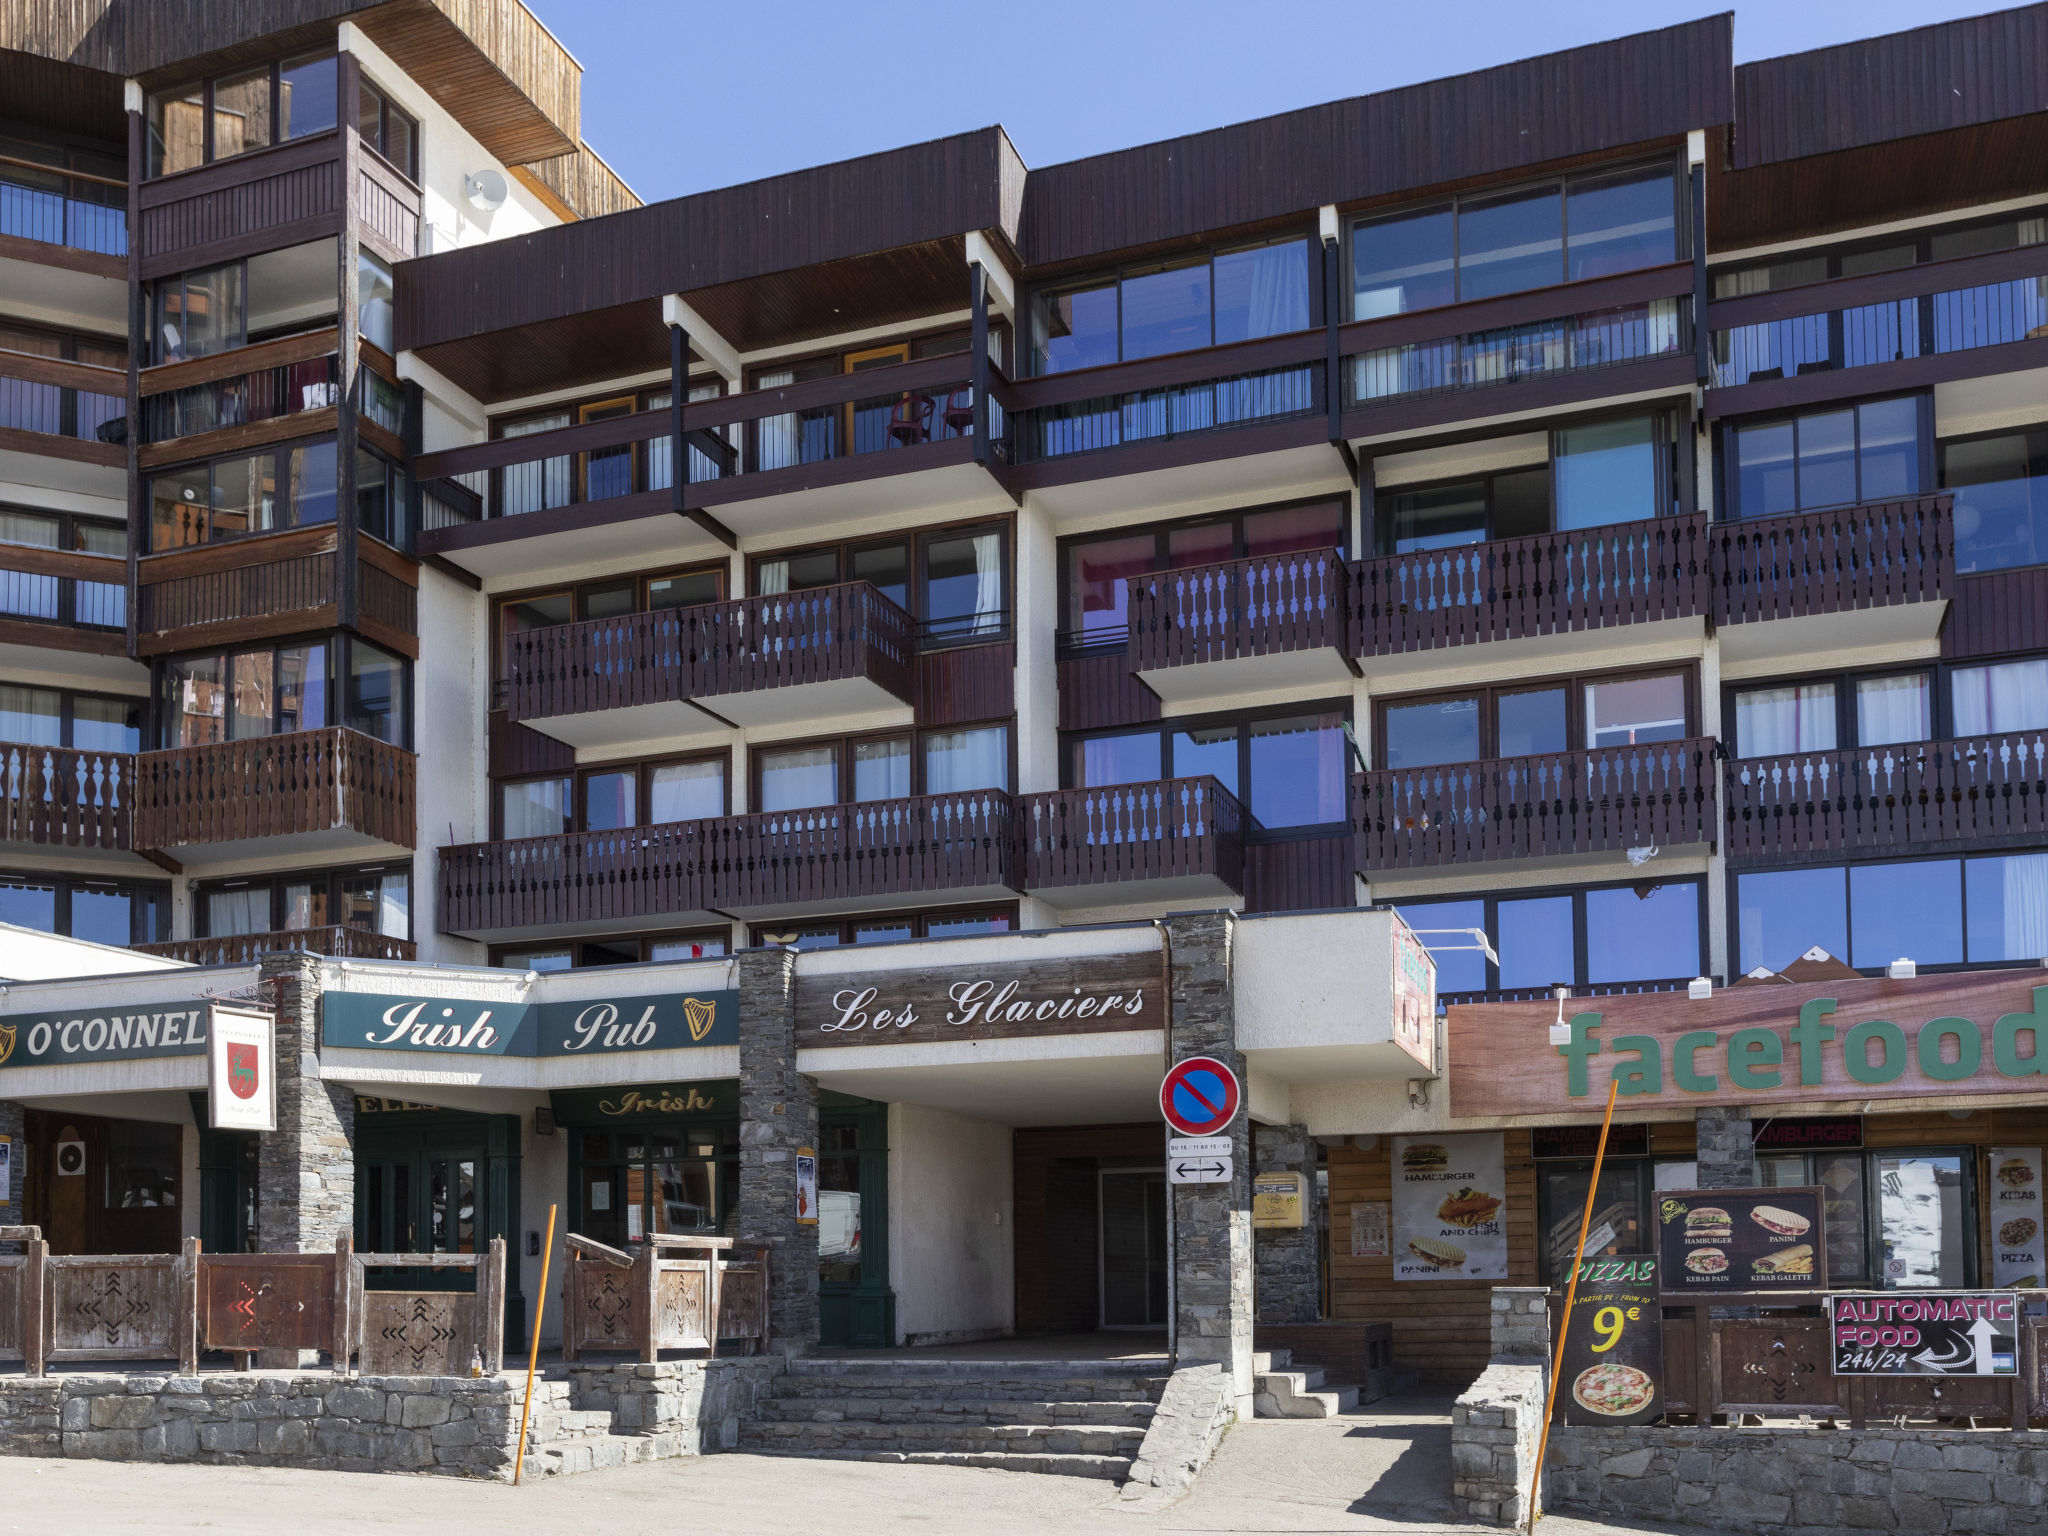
(1200, 1096)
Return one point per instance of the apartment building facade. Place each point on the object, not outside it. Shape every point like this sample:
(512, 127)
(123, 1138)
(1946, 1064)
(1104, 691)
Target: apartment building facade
(1591, 506)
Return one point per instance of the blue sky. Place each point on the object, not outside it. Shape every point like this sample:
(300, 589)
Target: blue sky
(681, 95)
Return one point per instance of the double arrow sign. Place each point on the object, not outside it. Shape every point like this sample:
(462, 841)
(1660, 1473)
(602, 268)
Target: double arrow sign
(1199, 1160)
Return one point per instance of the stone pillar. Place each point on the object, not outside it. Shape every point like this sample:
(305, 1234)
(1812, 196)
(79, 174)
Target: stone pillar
(1496, 1422)
(1212, 1223)
(1727, 1148)
(778, 1114)
(306, 1168)
(1288, 1285)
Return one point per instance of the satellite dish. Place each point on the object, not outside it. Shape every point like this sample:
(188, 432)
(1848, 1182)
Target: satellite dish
(486, 191)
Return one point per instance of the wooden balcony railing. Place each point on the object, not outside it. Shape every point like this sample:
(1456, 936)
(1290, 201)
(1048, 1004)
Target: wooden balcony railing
(822, 635)
(276, 786)
(61, 406)
(1163, 830)
(1299, 601)
(1975, 790)
(1835, 560)
(1545, 584)
(833, 853)
(64, 798)
(336, 941)
(237, 589)
(1605, 800)
(69, 590)
(62, 205)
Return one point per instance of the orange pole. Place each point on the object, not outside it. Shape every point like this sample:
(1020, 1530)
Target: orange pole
(540, 1305)
(1571, 1294)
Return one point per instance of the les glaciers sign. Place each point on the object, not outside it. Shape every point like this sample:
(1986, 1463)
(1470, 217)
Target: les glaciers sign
(1974, 1033)
(374, 1021)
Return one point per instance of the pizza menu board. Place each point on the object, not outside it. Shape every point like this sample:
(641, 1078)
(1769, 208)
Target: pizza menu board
(1614, 1344)
(2012, 1211)
(1724, 1241)
(1450, 1207)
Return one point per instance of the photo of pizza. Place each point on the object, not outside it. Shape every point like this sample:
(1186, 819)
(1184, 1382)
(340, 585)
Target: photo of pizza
(1615, 1390)
(2020, 1230)
(1468, 1208)
(1707, 1261)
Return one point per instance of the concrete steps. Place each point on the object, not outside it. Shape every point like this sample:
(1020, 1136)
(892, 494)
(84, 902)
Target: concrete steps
(1280, 1390)
(1069, 1418)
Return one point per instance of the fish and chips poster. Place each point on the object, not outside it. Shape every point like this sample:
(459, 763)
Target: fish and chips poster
(1450, 1207)
(2014, 1214)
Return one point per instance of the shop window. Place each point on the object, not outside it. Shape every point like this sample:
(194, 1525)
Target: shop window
(1603, 937)
(142, 1162)
(669, 1178)
(1896, 1219)
(1829, 457)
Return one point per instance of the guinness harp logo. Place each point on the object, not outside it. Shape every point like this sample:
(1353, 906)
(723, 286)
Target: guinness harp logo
(6, 1043)
(696, 1012)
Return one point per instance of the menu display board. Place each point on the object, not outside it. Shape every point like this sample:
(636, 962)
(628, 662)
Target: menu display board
(1614, 1344)
(1726, 1241)
(1369, 1239)
(1925, 1333)
(1450, 1207)
(2012, 1214)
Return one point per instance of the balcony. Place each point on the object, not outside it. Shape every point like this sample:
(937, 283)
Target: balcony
(1526, 590)
(1983, 791)
(303, 792)
(1273, 622)
(842, 858)
(56, 409)
(241, 399)
(1561, 806)
(58, 797)
(1169, 840)
(81, 217)
(238, 589)
(66, 600)
(758, 661)
(770, 462)
(1840, 578)
(336, 942)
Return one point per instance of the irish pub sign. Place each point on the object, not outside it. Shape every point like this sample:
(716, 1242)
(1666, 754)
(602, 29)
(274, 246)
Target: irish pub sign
(1965, 1033)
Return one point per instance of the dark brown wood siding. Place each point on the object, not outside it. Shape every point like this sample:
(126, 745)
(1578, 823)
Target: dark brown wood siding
(1997, 612)
(1305, 875)
(1097, 692)
(966, 683)
(519, 749)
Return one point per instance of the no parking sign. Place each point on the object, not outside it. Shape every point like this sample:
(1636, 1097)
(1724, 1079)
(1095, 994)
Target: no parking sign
(1200, 1096)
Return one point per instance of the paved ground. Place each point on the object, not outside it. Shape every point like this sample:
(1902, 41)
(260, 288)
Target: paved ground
(1373, 1473)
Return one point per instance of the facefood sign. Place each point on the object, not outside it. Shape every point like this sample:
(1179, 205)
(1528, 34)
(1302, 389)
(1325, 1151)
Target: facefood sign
(376, 1021)
(1976, 1033)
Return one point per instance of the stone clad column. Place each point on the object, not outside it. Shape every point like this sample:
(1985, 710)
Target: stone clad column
(1726, 1157)
(1289, 1288)
(778, 1114)
(306, 1168)
(1212, 1223)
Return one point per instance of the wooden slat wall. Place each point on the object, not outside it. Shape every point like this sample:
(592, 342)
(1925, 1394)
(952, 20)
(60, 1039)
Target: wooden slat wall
(581, 182)
(1305, 875)
(966, 683)
(517, 749)
(1997, 612)
(1099, 691)
(295, 190)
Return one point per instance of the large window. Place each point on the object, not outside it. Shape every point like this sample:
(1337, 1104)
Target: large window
(1481, 245)
(953, 581)
(388, 130)
(1527, 720)
(60, 717)
(1829, 457)
(1100, 567)
(636, 949)
(2001, 499)
(1175, 306)
(672, 1177)
(882, 928)
(610, 597)
(1289, 768)
(119, 913)
(1650, 931)
(1986, 910)
(1890, 707)
(271, 295)
(228, 498)
(1885, 254)
(1998, 697)
(63, 599)
(376, 898)
(859, 769)
(27, 406)
(232, 114)
(1897, 1219)
(609, 796)
(272, 690)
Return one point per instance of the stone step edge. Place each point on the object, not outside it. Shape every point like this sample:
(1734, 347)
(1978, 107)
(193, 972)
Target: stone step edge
(1070, 1464)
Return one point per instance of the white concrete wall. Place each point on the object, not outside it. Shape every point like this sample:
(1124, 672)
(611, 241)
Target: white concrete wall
(451, 704)
(952, 1225)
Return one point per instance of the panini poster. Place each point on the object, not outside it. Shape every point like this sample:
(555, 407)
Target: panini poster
(2014, 1215)
(1450, 1207)
(1741, 1240)
(1614, 1343)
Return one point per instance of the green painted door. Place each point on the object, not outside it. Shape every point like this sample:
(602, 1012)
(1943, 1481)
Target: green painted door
(855, 1305)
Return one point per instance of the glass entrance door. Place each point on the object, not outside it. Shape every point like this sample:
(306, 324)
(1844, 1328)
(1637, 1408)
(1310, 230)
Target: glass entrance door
(1134, 1259)
(422, 1203)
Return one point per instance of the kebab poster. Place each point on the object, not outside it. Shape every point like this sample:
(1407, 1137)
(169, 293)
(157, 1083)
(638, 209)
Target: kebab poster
(1715, 1240)
(2014, 1215)
(1450, 1207)
(1614, 1343)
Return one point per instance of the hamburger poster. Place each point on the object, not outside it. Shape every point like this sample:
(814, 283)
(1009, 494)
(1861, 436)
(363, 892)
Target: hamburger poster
(2014, 1212)
(1741, 1240)
(1450, 1207)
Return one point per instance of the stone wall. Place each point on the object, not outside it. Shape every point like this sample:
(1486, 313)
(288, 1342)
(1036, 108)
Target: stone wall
(1197, 1405)
(306, 1170)
(778, 1114)
(1496, 1424)
(1805, 1482)
(1726, 1157)
(701, 1402)
(1288, 1286)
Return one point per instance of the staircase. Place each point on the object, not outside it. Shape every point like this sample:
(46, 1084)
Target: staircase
(562, 1439)
(1282, 1392)
(1079, 1418)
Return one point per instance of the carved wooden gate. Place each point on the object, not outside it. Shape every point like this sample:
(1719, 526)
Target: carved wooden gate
(644, 1302)
(123, 1306)
(257, 1301)
(430, 1333)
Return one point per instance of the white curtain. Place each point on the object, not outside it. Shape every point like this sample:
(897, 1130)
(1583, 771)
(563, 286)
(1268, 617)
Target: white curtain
(687, 792)
(394, 906)
(540, 483)
(2026, 907)
(771, 578)
(988, 583)
(229, 913)
(775, 437)
(2012, 696)
(1891, 709)
(958, 761)
(1279, 296)
(660, 450)
(1770, 722)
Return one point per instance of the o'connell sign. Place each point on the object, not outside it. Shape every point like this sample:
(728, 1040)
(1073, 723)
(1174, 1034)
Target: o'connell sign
(1974, 1033)
(1088, 994)
(128, 1032)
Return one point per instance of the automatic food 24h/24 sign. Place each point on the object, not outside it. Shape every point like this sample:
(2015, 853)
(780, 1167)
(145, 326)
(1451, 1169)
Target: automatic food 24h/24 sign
(1926, 1333)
